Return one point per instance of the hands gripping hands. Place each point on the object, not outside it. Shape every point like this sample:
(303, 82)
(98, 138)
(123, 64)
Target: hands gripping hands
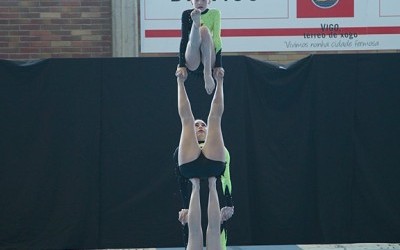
(226, 214)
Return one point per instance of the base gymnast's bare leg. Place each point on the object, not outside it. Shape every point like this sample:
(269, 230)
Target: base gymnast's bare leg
(195, 241)
(214, 217)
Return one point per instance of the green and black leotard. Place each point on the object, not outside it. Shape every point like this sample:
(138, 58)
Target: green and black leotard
(211, 18)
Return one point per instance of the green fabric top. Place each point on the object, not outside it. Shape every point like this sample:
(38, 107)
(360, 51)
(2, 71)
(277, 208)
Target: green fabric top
(212, 20)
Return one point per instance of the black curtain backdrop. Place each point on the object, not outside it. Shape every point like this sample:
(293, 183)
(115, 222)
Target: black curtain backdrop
(86, 151)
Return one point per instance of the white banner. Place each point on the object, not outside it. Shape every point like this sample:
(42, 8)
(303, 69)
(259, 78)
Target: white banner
(280, 25)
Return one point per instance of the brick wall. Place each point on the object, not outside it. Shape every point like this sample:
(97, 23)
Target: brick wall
(32, 29)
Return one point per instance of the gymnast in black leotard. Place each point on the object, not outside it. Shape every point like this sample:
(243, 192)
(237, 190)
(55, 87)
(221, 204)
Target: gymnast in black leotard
(213, 152)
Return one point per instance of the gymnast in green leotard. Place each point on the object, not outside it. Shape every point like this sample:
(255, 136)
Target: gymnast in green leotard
(201, 42)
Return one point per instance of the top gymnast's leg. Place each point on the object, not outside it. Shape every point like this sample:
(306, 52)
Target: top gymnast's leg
(208, 58)
(192, 53)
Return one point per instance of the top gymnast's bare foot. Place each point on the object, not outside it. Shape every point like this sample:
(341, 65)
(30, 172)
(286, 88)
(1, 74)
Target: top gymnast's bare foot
(196, 13)
(209, 83)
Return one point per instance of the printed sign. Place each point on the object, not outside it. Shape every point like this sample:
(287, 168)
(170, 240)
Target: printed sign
(280, 25)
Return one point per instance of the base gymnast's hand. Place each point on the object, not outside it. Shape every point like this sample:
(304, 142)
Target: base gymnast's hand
(226, 213)
(183, 216)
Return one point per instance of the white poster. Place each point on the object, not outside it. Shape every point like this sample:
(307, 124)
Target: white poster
(280, 25)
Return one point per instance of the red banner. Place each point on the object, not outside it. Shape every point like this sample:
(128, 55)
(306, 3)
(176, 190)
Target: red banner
(325, 8)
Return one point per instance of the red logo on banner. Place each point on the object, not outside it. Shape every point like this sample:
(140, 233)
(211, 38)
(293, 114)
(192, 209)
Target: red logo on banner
(325, 8)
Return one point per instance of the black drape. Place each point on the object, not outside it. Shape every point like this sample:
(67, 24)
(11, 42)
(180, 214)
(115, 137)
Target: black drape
(86, 151)
(49, 146)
